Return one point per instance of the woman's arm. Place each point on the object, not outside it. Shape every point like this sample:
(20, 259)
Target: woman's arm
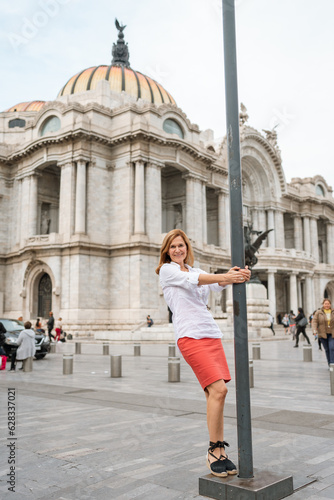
(234, 275)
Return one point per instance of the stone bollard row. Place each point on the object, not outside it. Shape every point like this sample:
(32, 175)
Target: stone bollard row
(67, 364)
(251, 374)
(105, 349)
(174, 369)
(136, 349)
(307, 353)
(53, 348)
(115, 365)
(171, 350)
(28, 364)
(77, 348)
(331, 377)
(256, 351)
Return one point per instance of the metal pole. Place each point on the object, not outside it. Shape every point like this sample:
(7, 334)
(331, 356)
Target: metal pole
(237, 244)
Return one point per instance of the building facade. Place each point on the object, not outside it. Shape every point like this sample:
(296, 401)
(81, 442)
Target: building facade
(91, 181)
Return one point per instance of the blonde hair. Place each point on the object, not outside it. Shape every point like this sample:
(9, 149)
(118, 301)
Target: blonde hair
(165, 258)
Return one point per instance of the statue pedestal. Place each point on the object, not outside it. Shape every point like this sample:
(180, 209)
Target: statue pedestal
(257, 311)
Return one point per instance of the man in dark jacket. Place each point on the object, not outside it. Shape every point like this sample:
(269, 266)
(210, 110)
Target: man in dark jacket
(50, 325)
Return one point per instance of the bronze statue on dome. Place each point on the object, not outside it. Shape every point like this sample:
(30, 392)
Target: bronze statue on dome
(120, 52)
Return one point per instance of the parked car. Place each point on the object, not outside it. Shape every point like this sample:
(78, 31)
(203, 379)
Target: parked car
(13, 330)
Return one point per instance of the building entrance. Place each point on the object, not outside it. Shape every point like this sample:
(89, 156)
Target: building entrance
(44, 296)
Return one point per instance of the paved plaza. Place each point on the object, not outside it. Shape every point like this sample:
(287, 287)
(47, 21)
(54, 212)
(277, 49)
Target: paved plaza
(90, 436)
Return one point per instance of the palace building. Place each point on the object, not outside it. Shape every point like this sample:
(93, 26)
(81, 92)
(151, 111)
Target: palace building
(91, 181)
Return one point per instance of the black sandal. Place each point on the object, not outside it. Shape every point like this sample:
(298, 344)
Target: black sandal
(222, 466)
(230, 467)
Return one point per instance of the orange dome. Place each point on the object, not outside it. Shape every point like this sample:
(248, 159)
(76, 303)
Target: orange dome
(120, 79)
(26, 106)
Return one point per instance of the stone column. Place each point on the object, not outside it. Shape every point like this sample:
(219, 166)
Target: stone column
(271, 225)
(262, 225)
(309, 299)
(18, 211)
(25, 199)
(139, 206)
(33, 204)
(223, 221)
(66, 200)
(255, 219)
(153, 200)
(80, 198)
(279, 229)
(194, 217)
(314, 238)
(298, 232)
(299, 293)
(272, 292)
(293, 292)
(307, 236)
(204, 214)
(330, 243)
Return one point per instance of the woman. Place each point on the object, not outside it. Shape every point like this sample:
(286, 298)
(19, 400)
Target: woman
(286, 323)
(301, 325)
(59, 328)
(26, 343)
(323, 325)
(186, 292)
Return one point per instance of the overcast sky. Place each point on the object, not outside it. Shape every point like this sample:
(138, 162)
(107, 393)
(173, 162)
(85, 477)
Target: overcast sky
(285, 61)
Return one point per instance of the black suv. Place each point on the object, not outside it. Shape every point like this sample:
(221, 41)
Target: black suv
(13, 329)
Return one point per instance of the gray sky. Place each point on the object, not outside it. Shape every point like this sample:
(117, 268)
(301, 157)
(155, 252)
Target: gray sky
(285, 61)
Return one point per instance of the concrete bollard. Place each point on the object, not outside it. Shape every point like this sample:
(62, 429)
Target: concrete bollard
(53, 348)
(174, 368)
(77, 348)
(106, 349)
(27, 364)
(67, 364)
(115, 365)
(307, 353)
(331, 375)
(251, 374)
(256, 351)
(136, 349)
(171, 350)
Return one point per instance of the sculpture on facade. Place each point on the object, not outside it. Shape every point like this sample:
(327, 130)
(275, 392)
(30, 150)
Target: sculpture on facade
(45, 222)
(252, 247)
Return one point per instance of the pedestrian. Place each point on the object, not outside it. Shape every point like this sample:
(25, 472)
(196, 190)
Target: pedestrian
(149, 321)
(50, 325)
(286, 323)
(26, 343)
(301, 322)
(323, 325)
(59, 328)
(38, 326)
(271, 320)
(292, 320)
(186, 291)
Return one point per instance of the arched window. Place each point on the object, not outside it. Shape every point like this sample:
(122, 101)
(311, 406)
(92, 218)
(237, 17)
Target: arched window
(17, 122)
(51, 124)
(44, 296)
(319, 190)
(172, 127)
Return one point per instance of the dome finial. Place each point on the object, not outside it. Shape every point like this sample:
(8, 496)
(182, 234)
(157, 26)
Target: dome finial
(120, 52)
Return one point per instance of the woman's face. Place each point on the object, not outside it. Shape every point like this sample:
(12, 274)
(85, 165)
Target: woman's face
(178, 250)
(327, 304)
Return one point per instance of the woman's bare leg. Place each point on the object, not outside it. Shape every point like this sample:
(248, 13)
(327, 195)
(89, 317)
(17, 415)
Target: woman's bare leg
(215, 397)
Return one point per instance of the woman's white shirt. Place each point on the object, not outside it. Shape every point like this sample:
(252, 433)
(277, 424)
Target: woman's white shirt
(188, 302)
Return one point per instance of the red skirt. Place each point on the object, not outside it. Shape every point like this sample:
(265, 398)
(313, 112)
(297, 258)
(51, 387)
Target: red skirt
(206, 358)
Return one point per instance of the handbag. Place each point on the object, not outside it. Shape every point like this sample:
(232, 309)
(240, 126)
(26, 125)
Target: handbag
(303, 321)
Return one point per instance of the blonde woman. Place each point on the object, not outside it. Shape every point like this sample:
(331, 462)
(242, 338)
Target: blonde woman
(186, 292)
(323, 325)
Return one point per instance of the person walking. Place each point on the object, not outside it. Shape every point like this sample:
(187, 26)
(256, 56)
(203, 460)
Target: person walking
(186, 291)
(271, 320)
(50, 325)
(301, 323)
(323, 325)
(26, 343)
(286, 323)
(58, 329)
